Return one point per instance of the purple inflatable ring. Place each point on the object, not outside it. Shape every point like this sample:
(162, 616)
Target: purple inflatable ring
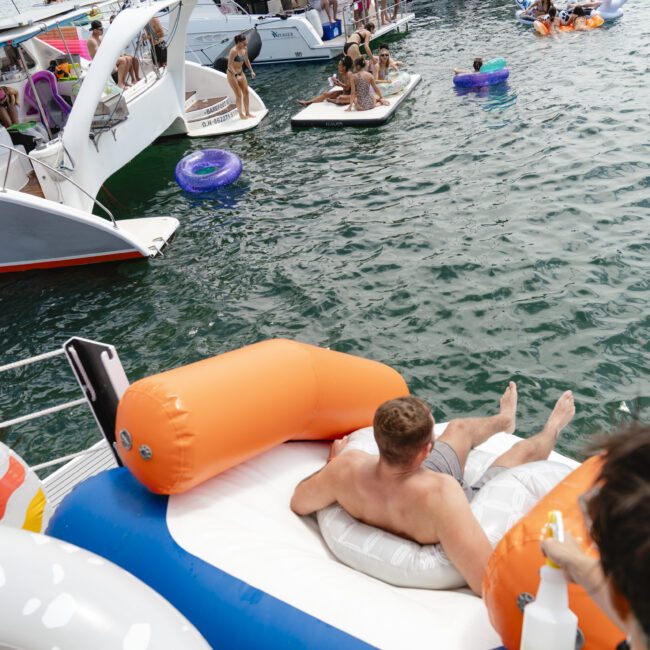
(206, 170)
(476, 79)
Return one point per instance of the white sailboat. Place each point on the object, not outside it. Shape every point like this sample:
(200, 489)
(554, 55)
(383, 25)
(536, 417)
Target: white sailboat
(91, 128)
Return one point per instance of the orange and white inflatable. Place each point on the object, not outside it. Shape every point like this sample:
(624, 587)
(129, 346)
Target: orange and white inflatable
(513, 568)
(179, 428)
(590, 23)
(22, 501)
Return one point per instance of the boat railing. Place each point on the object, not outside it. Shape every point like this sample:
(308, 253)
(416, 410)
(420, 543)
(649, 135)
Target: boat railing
(34, 160)
(102, 380)
(349, 24)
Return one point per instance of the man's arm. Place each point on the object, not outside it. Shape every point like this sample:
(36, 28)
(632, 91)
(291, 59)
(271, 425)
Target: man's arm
(318, 490)
(460, 534)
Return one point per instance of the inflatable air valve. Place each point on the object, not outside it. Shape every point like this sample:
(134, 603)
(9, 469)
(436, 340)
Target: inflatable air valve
(548, 621)
(493, 65)
(179, 428)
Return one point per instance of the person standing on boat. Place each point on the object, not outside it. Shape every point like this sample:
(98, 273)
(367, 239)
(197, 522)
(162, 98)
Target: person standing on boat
(155, 34)
(125, 64)
(237, 57)
(415, 488)
(617, 512)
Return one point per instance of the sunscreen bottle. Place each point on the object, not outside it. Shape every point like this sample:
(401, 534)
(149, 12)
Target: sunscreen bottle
(549, 624)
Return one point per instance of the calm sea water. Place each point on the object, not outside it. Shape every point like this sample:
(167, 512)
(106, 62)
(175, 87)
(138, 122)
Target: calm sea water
(474, 239)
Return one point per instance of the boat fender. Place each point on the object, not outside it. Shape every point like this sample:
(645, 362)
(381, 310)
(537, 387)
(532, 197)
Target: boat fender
(499, 504)
(22, 499)
(179, 428)
(207, 170)
(513, 568)
(54, 594)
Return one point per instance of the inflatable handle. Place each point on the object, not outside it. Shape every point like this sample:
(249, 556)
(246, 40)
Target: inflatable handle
(181, 427)
(493, 65)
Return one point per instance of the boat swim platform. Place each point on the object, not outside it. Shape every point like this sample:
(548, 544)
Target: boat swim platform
(332, 115)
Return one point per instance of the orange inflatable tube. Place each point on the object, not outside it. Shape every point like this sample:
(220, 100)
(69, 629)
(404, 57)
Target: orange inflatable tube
(514, 566)
(179, 428)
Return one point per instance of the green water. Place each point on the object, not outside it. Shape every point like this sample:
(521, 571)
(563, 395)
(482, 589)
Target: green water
(474, 239)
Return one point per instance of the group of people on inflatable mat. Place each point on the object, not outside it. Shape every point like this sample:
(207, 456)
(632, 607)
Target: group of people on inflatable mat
(575, 15)
(415, 488)
(363, 79)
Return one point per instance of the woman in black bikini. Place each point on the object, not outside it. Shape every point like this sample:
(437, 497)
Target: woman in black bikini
(361, 37)
(237, 57)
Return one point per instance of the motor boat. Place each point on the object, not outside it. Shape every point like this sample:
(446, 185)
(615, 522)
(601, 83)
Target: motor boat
(74, 128)
(288, 36)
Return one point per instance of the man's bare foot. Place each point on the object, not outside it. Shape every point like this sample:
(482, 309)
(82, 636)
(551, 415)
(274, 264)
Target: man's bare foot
(508, 405)
(561, 415)
(249, 115)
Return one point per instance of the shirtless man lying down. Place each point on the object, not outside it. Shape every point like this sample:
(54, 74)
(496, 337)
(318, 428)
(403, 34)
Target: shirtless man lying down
(414, 488)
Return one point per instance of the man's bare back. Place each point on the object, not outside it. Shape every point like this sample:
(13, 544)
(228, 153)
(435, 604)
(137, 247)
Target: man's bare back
(418, 503)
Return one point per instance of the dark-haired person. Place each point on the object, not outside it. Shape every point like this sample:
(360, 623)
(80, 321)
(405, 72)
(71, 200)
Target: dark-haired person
(342, 83)
(551, 20)
(415, 488)
(125, 64)
(538, 8)
(618, 513)
(364, 91)
(9, 106)
(237, 57)
(476, 67)
(361, 37)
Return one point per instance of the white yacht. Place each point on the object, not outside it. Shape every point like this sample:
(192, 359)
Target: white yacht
(287, 36)
(84, 128)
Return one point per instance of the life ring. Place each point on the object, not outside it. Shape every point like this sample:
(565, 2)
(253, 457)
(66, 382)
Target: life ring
(206, 170)
(499, 504)
(478, 79)
(179, 428)
(54, 594)
(22, 499)
(513, 567)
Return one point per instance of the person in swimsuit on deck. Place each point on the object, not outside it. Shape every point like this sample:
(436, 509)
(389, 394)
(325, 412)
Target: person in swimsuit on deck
(364, 91)
(415, 487)
(237, 57)
(125, 65)
(341, 83)
(8, 106)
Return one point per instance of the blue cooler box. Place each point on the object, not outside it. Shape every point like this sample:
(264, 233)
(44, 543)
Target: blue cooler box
(331, 30)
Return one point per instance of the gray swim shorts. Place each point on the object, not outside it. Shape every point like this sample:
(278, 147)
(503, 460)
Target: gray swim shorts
(443, 459)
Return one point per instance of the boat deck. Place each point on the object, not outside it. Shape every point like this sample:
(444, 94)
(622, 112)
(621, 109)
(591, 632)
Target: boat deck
(33, 187)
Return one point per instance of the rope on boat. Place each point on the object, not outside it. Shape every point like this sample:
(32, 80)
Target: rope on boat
(47, 411)
(26, 362)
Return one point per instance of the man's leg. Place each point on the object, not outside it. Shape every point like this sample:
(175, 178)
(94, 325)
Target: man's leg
(462, 435)
(541, 445)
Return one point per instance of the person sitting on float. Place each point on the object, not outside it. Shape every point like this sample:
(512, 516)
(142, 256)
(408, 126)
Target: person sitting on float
(476, 67)
(9, 106)
(415, 488)
(364, 91)
(361, 37)
(617, 510)
(385, 64)
(551, 21)
(538, 8)
(341, 82)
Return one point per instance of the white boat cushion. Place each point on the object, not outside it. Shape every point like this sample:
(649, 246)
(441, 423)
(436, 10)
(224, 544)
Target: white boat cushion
(498, 506)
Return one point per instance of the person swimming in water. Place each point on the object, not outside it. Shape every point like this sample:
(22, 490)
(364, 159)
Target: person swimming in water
(237, 57)
(476, 67)
(538, 8)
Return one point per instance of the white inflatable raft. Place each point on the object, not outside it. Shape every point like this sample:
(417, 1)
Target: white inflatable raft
(333, 115)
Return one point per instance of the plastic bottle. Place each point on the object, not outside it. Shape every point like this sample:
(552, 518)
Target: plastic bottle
(549, 624)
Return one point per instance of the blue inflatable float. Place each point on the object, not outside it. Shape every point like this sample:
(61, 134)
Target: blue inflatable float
(207, 170)
(478, 79)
